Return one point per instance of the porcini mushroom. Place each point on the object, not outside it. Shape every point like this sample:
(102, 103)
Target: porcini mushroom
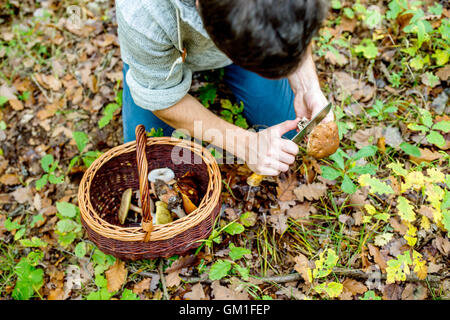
(323, 140)
(163, 214)
(164, 174)
(126, 206)
(169, 196)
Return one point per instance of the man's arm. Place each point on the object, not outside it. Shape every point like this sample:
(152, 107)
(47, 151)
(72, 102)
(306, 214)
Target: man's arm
(265, 152)
(309, 98)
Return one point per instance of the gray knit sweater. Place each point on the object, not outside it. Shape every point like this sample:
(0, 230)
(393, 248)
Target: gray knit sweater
(152, 36)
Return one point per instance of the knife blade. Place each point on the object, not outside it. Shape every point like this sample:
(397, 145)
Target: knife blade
(305, 128)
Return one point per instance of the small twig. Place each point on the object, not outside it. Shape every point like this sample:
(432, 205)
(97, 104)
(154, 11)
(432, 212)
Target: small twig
(163, 279)
(354, 273)
(42, 89)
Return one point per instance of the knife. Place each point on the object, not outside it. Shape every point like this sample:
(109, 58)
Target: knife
(305, 128)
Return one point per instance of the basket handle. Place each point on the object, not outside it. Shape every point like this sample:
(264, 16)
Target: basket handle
(142, 166)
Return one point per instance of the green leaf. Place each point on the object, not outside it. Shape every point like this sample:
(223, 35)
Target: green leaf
(237, 253)
(219, 269)
(410, 149)
(67, 238)
(11, 226)
(35, 242)
(234, 228)
(241, 121)
(338, 158)
(368, 49)
(336, 4)
(347, 185)
(446, 221)
(67, 209)
(370, 295)
(244, 272)
(436, 138)
(81, 140)
(248, 219)
(208, 94)
(436, 10)
(373, 19)
(418, 127)
(36, 218)
(46, 162)
(405, 209)
(3, 100)
(367, 169)
(330, 173)
(102, 294)
(441, 56)
(55, 180)
(80, 249)
(398, 169)
(19, 234)
(127, 294)
(368, 151)
(443, 126)
(66, 225)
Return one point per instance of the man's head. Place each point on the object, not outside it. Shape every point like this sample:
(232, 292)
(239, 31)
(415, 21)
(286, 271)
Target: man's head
(268, 37)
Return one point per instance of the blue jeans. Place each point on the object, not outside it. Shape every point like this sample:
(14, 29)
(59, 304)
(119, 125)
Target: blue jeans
(266, 103)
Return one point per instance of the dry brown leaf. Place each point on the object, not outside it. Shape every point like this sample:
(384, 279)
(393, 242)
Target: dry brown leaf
(301, 266)
(367, 137)
(392, 291)
(56, 294)
(196, 293)
(16, 104)
(377, 257)
(398, 226)
(426, 155)
(310, 192)
(285, 187)
(182, 262)
(354, 287)
(426, 211)
(48, 111)
(9, 179)
(442, 244)
(444, 73)
(141, 286)
(224, 293)
(414, 292)
(116, 275)
(173, 279)
(301, 211)
(278, 222)
(351, 86)
(22, 195)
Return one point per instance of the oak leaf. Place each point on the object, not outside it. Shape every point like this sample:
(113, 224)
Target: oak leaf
(310, 192)
(116, 275)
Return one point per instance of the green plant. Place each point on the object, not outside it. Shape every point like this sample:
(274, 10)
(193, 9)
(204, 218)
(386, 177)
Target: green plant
(108, 111)
(50, 166)
(15, 226)
(344, 168)
(382, 111)
(86, 157)
(233, 113)
(68, 228)
(367, 48)
(29, 278)
(426, 126)
(222, 268)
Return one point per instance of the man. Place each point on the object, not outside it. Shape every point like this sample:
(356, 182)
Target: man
(263, 46)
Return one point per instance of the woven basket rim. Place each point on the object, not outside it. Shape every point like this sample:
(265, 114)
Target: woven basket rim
(160, 232)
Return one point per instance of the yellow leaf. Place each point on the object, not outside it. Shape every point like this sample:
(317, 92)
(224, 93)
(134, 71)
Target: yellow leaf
(435, 195)
(425, 223)
(435, 176)
(420, 266)
(415, 180)
(370, 209)
(410, 235)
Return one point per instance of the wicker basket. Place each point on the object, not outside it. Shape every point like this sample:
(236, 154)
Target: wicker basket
(127, 166)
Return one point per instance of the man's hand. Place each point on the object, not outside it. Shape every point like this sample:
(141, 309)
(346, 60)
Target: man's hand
(309, 98)
(268, 153)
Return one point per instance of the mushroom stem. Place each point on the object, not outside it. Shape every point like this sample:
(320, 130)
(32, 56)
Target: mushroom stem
(135, 208)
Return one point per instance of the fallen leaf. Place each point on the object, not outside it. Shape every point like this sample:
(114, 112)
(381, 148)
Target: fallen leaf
(286, 186)
(56, 294)
(182, 262)
(444, 73)
(173, 279)
(141, 286)
(392, 291)
(377, 257)
(367, 137)
(310, 192)
(196, 293)
(301, 211)
(426, 155)
(398, 226)
(22, 195)
(224, 293)
(351, 86)
(393, 137)
(9, 179)
(302, 267)
(278, 222)
(16, 104)
(116, 275)
(354, 287)
(414, 292)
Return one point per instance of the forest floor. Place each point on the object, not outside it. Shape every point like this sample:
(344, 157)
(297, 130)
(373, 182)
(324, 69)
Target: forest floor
(370, 222)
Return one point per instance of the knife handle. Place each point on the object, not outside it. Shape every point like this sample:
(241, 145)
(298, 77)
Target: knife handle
(255, 180)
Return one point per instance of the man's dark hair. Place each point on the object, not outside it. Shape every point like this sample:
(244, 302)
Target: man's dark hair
(268, 37)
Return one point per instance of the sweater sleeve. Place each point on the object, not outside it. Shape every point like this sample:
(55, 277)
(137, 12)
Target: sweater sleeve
(150, 54)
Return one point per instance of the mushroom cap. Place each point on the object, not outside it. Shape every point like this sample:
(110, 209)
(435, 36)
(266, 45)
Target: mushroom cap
(164, 174)
(323, 140)
(125, 205)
